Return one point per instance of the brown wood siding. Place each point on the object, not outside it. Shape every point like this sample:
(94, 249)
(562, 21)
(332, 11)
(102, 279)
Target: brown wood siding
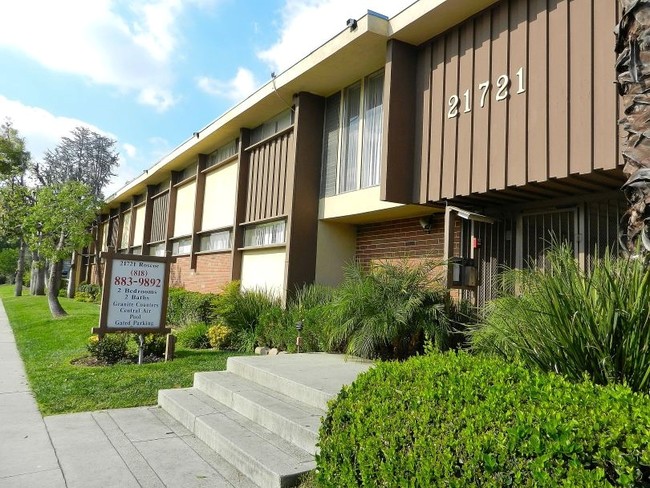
(159, 218)
(550, 109)
(266, 196)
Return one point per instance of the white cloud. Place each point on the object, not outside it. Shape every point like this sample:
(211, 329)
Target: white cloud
(235, 89)
(129, 49)
(43, 130)
(307, 24)
(130, 150)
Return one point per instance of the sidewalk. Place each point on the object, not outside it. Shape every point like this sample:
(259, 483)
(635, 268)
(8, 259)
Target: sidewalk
(27, 457)
(136, 447)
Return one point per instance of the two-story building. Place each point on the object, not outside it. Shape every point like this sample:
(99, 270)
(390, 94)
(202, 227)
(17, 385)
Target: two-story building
(471, 129)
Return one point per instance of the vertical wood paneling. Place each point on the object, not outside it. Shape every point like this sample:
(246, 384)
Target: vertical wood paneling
(423, 113)
(289, 170)
(267, 178)
(438, 118)
(561, 118)
(537, 91)
(517, 107)
(604, 58)
(451, 123)
(465, 88)
(581, 88)
(481, 118)
(499, 109)
(558, 134)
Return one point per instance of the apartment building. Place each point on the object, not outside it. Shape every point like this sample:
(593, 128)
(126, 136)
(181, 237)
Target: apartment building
(477, 131)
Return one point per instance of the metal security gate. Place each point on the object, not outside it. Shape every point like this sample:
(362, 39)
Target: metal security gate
(538, 232)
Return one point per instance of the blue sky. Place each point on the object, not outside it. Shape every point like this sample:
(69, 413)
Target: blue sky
(150, 72)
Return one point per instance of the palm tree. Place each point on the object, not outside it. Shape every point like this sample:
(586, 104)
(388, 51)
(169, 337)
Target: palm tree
(633, 78)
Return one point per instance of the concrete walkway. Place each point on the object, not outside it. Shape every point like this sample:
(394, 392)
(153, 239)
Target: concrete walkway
(137, 447)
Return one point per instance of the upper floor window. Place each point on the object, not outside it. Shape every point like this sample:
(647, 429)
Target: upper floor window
(271, 126)
(352, 137)
(266, 234)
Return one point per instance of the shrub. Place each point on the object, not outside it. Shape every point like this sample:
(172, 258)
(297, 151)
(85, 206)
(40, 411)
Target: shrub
(194, 336)
(459, 420)
(88, 292)
(573, 322)
(112, 348)
(189, 307)
(242, 312)
(154, 345)
(390, 310)
(219, 336)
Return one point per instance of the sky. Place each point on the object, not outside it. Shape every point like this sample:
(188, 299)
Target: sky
(148, 73)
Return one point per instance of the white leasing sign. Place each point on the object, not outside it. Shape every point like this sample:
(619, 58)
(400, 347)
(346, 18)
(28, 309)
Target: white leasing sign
(136, 294)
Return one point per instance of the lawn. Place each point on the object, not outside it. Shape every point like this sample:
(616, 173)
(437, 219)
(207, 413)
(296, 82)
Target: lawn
(48, 345)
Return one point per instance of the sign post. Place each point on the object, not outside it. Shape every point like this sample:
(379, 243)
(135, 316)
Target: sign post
(134, 295)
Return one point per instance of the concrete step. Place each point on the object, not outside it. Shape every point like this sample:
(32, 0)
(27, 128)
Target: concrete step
(292, 420)
(267, 459)
(311, 378)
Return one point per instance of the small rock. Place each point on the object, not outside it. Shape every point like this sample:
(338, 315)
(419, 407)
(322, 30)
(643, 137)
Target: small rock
(283, 352)
(262, 351)
(273, 352)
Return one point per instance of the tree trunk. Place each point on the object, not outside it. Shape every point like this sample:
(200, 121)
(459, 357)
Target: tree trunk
(53, 290)
(633, 80)
(20, 268)
(98, 262)
(54, 283)
(37, 281)
(72, 276)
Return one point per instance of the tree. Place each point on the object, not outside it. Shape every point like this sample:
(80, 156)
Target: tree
(86, 157)
(58, 224)
(633, 80)
(14, 161)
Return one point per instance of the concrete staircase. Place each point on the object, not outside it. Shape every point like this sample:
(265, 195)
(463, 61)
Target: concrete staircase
(263, 413)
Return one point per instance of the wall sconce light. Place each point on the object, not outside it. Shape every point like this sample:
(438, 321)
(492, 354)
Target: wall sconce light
(352, 24)
(426, 223)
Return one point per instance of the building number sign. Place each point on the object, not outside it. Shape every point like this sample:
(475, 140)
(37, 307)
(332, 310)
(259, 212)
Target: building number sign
(503, 87)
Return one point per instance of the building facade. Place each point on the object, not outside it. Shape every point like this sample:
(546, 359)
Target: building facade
(478, 131)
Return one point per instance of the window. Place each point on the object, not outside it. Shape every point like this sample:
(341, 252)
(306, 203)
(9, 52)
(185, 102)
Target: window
(267, 234)
(352, 137)
(157, 250)
(136, 250)
(215, 241)
(272, 126)
(224, 152)
(182, 246)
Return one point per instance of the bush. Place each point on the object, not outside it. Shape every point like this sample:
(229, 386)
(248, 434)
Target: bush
(194, 336)
(458, 420)
(219, 336)
(111, 349)
(190, 307)
(566, 320)
(310, 305)
(88, 292)
(154, 345)
(390, 310)
(242, 312)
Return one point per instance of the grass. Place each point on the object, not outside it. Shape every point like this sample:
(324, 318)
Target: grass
(47, 346)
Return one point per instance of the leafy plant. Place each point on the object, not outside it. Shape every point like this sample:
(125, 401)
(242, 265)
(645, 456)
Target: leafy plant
(242, 312)
(88, 292)
(574, 322)
(219, 336)
(458, 420)
(110, 349)
(390, 310)
(194, 336)
(188, 307)
(154, 345)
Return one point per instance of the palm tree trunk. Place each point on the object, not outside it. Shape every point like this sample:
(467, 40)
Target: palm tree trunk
(633, 79)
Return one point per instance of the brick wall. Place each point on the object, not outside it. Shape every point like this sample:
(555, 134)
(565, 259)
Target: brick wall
(211, 274)
(400, 239)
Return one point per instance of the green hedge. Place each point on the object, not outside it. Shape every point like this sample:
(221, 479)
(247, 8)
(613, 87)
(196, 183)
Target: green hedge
(189, 307)
(459, 420)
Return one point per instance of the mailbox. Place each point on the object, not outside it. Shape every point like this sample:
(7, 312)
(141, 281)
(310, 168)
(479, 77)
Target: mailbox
(462, 273)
